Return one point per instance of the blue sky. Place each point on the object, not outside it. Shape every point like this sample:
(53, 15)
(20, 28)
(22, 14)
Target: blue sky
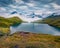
(42, 7)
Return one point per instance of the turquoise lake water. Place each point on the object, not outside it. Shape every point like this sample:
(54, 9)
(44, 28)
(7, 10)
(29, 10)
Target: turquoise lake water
(35, 28)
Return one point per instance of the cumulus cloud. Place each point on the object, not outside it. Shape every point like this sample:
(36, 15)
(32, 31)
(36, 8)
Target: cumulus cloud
(31, 4)
(42, 7)
(18, 1)
(12, 6)
(55, 6)
(2, 9)
(6, 2)
(23, 7)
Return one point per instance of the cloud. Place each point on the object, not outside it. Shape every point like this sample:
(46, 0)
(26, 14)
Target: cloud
(44, 12)
(57, 2)
(55, 6)
(23, 7)
(27, 6)
(39, 1)
(38, 12)
(2, 9)
(31, 4)
(12, 6)
(6, 2)
(18, 1)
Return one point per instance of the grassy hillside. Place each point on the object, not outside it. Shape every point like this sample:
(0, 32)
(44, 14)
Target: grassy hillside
(29, 40)
(52, 20)
(5, 23)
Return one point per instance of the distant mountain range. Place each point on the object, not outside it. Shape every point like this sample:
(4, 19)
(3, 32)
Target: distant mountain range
(53, 20)
(32, 15)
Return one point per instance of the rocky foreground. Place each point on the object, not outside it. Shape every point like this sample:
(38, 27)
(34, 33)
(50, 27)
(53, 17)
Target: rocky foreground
(29, 40)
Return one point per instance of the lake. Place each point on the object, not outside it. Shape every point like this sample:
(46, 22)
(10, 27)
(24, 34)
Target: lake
(35, 28)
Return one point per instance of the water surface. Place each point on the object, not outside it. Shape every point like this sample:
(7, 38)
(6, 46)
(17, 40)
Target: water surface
(35, 28)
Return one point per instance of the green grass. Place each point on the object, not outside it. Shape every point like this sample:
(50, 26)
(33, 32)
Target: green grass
(5, 24)
(50, 21)
(54, 21)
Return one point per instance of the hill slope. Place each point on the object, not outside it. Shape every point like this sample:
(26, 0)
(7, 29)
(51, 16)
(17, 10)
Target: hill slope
(5, 24)
(53, 20)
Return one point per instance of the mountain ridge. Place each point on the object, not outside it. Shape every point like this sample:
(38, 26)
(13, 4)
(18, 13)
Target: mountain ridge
(53, 20)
